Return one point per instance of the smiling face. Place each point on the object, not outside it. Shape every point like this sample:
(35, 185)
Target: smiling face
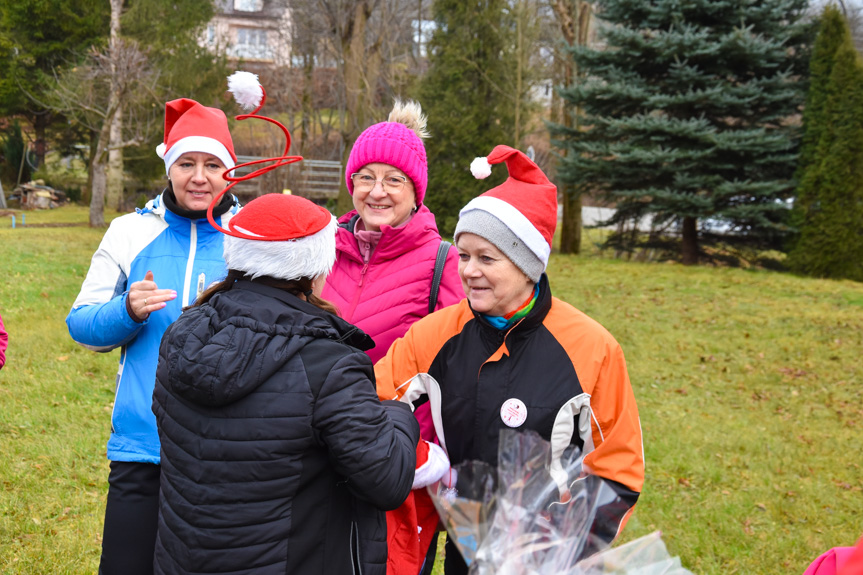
(492, 283)
(197, 178)
(380, 207)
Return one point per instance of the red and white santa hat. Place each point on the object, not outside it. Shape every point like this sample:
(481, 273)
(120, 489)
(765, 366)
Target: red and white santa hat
(281, 236)
(192, 127)
(519, 216)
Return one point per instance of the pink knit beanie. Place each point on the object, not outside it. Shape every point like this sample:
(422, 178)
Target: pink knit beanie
(395, 144)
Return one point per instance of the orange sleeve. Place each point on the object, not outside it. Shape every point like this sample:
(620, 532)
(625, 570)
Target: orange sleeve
(619, 454)
(601, 368)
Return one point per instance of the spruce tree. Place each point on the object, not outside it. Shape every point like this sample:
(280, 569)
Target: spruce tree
(467, 100)
(687, 108)
(831, 229)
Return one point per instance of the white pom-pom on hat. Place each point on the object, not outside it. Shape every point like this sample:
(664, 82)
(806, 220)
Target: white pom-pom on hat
(480, 168)
(161, 149)
(246, 89)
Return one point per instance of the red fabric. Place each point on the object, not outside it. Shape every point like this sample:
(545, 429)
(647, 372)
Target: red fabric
(279, 217)
(411, 527)
(410, 530)
(185, 117)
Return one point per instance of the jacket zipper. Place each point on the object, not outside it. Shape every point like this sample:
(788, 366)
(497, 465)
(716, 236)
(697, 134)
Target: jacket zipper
(202, 279)
(359, 291)
(190, 263)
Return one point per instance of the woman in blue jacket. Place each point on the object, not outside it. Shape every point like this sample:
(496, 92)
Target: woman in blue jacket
(150, 265)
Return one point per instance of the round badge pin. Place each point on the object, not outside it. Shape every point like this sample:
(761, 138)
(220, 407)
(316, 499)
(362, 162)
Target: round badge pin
(513, 412)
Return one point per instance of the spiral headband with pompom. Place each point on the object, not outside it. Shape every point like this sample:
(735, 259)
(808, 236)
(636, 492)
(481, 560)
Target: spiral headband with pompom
(249, 93)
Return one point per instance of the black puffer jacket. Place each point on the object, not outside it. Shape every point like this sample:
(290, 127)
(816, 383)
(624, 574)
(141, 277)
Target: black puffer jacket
(277, 456)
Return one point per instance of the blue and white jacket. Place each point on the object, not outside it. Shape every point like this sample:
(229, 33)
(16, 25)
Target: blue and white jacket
(184, 255)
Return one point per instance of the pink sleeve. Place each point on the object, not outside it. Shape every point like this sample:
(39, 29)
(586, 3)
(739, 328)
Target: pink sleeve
(4, 341)
(830, 561)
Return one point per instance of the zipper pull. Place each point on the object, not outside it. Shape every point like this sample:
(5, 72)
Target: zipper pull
(363, 274)
(201, 284)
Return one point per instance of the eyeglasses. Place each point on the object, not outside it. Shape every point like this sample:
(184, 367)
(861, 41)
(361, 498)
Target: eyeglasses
(365, 183)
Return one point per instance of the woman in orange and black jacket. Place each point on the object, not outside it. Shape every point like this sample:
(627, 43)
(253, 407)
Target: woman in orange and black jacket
(512, 355)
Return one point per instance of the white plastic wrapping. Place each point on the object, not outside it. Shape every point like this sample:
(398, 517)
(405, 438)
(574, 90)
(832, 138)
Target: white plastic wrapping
(516, 520)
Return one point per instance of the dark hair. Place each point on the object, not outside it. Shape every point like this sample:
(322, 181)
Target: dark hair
(302, 286)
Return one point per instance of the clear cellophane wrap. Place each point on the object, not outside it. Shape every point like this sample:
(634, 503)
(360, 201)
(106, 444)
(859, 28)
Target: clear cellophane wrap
(519, 520)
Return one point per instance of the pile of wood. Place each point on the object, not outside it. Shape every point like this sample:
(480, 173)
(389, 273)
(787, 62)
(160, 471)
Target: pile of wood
(35, 195)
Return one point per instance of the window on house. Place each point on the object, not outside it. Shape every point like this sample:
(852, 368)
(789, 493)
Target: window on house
(252, 43)
(248, 5)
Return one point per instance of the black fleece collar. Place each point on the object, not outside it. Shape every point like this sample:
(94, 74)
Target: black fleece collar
(170, 200)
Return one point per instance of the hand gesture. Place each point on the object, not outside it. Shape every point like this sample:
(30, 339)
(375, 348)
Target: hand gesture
(145, 297)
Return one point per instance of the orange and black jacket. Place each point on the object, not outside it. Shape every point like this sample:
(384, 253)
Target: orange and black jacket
(566, 369)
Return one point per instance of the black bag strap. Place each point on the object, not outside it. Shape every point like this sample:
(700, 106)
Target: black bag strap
(351, 223)
(442, 251)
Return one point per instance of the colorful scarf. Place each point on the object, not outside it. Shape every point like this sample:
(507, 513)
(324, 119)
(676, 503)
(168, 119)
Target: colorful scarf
(514, 317)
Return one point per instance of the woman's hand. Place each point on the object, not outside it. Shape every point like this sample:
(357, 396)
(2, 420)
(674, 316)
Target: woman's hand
(145, 297)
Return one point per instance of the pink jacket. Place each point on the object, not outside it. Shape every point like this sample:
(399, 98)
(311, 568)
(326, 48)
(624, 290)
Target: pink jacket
(391, 292)
(4, 341)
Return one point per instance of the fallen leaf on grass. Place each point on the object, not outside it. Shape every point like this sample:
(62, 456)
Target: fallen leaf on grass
(684, 482)
(681, 391)
(793, 372)
(761, 506)
(747, 526)
(63, 358)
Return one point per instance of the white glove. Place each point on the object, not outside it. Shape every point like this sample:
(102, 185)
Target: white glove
(435, 467)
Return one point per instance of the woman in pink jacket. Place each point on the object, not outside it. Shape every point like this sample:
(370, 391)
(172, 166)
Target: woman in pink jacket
(387, 246)
(382, 282)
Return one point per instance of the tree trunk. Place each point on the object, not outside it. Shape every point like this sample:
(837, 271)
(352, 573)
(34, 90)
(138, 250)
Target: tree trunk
(87, 192)
(362, 66)
(40, 121)
(574, 19)
(99, 165)
(307, 103)
(689, 245)
(99, 170)
(114, 176)
(518, 74)
(345, 202)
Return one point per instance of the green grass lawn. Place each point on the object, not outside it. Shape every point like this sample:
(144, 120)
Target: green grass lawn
(748, 384)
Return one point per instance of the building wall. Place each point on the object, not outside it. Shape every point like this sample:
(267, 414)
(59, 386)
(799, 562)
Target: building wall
(251, 31)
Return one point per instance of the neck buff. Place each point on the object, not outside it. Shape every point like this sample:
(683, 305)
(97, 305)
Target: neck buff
(513, 318)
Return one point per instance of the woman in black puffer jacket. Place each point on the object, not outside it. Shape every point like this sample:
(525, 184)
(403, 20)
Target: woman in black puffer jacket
(277, 456)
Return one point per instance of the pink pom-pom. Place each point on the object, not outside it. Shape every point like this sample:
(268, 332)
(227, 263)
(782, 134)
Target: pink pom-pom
(161, 149)
(480, 168)
(246, 89)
